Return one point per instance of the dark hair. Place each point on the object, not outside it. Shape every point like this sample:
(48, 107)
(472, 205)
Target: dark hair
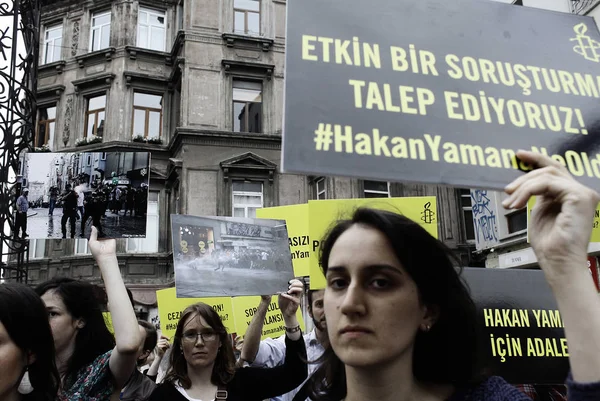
(151, 335)
(94, 339)
(448, 352)
(224, 367)
(25, 318)
(309, 298)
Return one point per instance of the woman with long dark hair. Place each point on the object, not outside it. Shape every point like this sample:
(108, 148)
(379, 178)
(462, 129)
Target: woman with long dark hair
(203, 362)
(27, 368)
(91, 362)
(401, 322)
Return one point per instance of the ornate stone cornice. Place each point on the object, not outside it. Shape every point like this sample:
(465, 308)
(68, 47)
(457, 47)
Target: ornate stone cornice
(248, 68)
(100, 81)
(96, 57)
(187, 136)
(248, 42)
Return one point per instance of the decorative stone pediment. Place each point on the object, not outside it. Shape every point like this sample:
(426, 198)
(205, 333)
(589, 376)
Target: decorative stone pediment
(248, 162)
(100, 81)
(96, 57)
(142, 80)
(258, 43)
(50, 93)
(248, 69)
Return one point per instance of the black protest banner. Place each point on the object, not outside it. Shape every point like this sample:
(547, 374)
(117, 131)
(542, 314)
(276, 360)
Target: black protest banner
(439, 91)
(522, 331)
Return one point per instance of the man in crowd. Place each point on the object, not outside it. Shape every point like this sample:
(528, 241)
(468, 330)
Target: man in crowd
(69, 200)
(22, 208)
(94, 208)
(271, 352)
(80, 198)
(53, 197)
(141, 198)
(139, 386)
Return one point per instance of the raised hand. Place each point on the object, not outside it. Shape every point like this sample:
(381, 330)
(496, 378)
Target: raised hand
(101, 249)
(290, 300)
(162, 346)
(562, 219)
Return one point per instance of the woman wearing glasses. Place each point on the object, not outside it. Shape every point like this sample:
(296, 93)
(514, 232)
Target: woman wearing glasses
(203, 363)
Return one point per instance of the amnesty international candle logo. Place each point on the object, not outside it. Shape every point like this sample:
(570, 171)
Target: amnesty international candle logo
(427, 215)
(586, 46)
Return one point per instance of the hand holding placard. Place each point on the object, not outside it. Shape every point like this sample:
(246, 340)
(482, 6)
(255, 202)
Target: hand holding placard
(290, 300)
(561, 224)
(561, 220)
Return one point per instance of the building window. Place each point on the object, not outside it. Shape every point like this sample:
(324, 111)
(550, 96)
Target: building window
(247, 197)
(52, 44)
(100, 35)
(247, 106)
(103, 156)
(94, 117)
(46, 126)
(247, 17)
(467, 212)
(517, 221)
(180, 15)
(150, 243)
(89, 159)
(377, 189)
(320, 188)
(147, 115)
(81, 247)
(151, 29)
(37, 249)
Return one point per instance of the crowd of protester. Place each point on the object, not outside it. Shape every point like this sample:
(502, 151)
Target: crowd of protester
(393, 302)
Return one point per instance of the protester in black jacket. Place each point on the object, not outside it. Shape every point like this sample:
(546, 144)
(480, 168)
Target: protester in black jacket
(69, 200)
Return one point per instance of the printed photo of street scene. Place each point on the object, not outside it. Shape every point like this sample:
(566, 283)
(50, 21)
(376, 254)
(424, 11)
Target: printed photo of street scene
(63, 194)
(230, 256)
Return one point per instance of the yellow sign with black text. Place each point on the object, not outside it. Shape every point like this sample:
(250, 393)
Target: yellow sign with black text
(170, 309)
(323, 213)
(296, 218)
(244, 309)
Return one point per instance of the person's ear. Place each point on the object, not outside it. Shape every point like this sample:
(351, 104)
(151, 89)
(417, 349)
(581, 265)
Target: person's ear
(430, 317)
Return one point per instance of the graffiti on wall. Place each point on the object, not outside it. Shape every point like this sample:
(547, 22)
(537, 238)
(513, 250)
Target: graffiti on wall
(484, 219)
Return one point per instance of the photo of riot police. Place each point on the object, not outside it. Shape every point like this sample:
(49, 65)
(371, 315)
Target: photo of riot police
(71, 192)
(229, 256)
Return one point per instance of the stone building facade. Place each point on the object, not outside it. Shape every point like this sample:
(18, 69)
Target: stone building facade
(199, 84)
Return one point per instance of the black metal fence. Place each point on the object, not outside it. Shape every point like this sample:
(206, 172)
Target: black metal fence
(19, 49)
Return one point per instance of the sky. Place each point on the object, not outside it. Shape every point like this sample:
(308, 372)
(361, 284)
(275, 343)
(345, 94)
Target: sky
(39, 166)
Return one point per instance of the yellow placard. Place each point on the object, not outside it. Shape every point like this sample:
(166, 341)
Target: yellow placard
(170, 309)
(323, 213)
(296, 219)
(244, 309)
(595, 237)
(108, 322)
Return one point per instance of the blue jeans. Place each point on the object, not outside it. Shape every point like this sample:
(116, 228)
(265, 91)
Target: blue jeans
(52, 203)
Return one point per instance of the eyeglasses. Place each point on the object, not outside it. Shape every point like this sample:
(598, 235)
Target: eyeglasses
(193, 337)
